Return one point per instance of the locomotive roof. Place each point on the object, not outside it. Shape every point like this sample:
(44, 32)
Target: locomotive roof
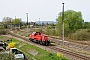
(35, 32)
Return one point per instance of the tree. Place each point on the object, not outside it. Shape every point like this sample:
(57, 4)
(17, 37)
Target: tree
(86, 25)
(7, 20)
(72, 21)
(16, 21)
(2, 30)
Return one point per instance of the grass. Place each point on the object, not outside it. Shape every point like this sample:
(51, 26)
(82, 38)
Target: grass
(41, 55)
(1, 37)
(7, 56)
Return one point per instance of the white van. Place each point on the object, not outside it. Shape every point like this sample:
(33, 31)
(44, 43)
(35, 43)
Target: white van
(18, 57)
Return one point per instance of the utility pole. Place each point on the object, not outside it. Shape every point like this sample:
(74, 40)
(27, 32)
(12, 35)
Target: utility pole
(39, 21)
(35, 22)
(15, 22)
(63, 24)
(27, 22)
(20, 24)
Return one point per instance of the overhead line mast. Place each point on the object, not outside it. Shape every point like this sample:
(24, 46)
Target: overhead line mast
(63, 24)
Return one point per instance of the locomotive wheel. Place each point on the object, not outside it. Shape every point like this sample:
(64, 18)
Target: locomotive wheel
(30, 39)
(47, 43)
(41, 42)
(38, 42)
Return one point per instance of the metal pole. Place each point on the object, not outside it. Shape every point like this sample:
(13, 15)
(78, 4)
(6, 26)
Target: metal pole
(15, 22)
(20, 24)
(27, 22)
(39, 21)
(63, 24)
(35, 22)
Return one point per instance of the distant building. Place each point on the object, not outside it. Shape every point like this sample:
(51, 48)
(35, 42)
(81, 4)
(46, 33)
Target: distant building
(45, 22)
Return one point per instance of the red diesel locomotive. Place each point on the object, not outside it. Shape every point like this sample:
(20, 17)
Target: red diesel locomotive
(39, 38)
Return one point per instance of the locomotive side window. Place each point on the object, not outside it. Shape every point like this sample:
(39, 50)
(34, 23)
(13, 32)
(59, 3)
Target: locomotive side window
(33, 33)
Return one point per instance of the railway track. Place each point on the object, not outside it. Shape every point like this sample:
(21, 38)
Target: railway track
(51, 48)
(70, 53)
(70, 40)
(84, 47)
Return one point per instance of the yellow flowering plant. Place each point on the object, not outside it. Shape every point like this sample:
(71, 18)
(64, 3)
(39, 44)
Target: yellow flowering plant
(11, 45)
(60, 54)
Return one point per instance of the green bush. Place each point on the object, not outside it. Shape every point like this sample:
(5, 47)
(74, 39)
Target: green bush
(2, 30)
(81, 34)
(48, 31)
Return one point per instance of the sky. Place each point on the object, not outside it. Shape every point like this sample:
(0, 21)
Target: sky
(46, 10)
